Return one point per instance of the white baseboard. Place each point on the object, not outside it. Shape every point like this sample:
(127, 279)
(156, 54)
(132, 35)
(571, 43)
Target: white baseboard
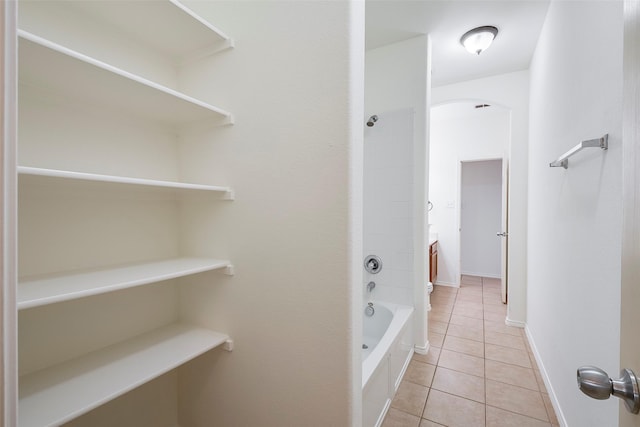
(545, 378)
(449, 284)
(514, 323)
(489, 275)
(421, 349)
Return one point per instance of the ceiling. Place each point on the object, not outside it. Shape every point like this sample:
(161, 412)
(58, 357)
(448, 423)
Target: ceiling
(519, 23)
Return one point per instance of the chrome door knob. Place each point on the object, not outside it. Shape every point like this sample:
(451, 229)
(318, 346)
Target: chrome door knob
(595, 383)
(502, 234)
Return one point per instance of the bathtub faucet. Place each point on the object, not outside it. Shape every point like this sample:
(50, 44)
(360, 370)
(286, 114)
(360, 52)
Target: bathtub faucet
(371, 286)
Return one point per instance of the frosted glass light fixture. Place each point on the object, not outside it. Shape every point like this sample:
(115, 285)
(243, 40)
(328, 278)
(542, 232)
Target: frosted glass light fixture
(478, 39)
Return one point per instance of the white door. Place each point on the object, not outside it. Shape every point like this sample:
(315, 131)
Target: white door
(630, 298)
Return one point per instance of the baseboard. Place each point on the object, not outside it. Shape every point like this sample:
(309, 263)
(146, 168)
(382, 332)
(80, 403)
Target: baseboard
(545, 378)
(422, 349)
(489, 275)
(448, 284)
(514, 323)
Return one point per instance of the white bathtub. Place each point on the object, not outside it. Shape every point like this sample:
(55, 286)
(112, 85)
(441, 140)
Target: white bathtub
(388, 335)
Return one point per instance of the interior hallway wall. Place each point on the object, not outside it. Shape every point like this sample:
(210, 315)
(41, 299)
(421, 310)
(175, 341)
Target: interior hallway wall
(294, 159)
(575, 215)
(481, 218)
(510, 90)
(459, 132)
(397, 76)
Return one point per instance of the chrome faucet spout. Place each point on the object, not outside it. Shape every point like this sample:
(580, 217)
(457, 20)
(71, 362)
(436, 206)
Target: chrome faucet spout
(371, 286)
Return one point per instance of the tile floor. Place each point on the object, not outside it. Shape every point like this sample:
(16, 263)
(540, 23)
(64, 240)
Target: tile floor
(478, 372)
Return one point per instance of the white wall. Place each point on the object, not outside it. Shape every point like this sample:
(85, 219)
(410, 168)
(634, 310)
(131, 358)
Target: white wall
(295, 84)
(510, 90)
(397, 77)
(575, 214)
(388, 206)
(481, 218)
(459, 132)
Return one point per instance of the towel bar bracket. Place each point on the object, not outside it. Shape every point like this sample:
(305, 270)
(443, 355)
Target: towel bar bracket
(563, 161)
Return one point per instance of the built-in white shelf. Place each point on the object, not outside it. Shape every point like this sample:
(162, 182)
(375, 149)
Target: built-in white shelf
(61, 393)
(34, 175)
(43, 290)
(174, 30)
(52, 67)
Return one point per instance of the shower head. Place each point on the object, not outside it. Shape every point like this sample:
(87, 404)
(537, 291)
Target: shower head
(372, 120)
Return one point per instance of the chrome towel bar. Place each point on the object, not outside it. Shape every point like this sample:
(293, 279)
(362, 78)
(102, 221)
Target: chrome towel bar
(563, 160)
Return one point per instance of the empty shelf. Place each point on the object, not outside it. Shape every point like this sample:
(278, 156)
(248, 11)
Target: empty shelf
(30, 174)
(174, 30)
(33, 292)
(61, 393)
(53, 67)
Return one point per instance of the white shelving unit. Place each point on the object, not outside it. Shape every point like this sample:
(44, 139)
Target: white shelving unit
(190, 37)
(58, 288)
(51, 392)
(57, 69)
(30, 175)
(61, 393)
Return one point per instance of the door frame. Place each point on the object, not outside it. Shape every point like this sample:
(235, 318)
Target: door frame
(630, 286)
(8, 213)
(504, 215)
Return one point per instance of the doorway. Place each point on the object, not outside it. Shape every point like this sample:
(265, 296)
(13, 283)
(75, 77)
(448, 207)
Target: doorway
(482, 219)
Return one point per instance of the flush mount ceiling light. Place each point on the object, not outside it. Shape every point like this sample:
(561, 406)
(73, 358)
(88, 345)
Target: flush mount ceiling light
(478, 39)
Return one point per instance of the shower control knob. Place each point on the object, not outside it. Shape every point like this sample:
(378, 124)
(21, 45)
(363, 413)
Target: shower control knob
(595, 383)
(372, 264)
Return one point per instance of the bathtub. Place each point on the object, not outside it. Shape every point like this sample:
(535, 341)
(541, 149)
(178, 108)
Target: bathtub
(389, 340)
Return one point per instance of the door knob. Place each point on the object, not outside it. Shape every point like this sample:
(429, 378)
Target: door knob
(502, 234)
(595, 383)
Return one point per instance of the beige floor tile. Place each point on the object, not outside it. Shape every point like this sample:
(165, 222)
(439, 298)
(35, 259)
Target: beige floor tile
(470, 290)
(427, 423)
(438, 327)
(419, 373)
(463, 363)
(494, 317)
(495, 308)
(440, 289)
(475, 332)
(468, 304)
(511, 374)
(463, 345)
(444, 295)
(442, 304)
(397, 418)
(436, 339)
(447, 308)
(551, 413)
(410, 398)
(488, 281)
(505, 340)
(539, 379)
(431, 357)
(507, 355)
(470, 280)
(464, 321)
(501, 328)
(493, 301)
(439, 316)
(516, 399)
(497, 417)
(471, 297)
(459, 383)
(453, 411)
(469, 312)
